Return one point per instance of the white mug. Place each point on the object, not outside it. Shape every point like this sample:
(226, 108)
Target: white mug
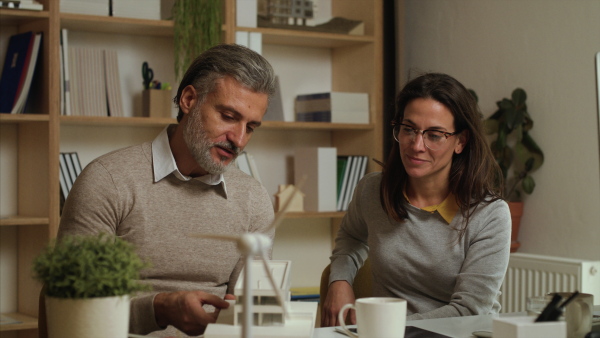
(377, 317)
(578, 314)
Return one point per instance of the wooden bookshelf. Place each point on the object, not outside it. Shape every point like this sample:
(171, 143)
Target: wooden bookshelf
(355, 63)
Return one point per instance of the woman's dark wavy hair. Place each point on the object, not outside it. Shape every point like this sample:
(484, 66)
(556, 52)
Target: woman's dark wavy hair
(474, 173)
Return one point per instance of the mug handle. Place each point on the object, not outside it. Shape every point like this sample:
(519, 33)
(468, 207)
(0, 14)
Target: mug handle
(343, 322)
(586, 313)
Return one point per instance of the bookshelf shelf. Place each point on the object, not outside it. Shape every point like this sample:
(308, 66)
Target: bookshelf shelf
(23, 118)
(157, 122)
(26, 322)
(109, 24)
(11, 17)
(278, 36)
(23, 220)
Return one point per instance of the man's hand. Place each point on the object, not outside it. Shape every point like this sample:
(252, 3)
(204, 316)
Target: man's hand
(339, 294)
(184, 310)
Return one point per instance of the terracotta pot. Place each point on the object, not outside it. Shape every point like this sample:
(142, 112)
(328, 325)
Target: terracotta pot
(92, 317)
(516, 211)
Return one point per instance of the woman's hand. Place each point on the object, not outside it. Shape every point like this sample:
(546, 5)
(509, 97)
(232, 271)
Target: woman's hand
(339, 294)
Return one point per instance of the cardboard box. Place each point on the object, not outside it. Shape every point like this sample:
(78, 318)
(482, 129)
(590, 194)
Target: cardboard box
(157, 103)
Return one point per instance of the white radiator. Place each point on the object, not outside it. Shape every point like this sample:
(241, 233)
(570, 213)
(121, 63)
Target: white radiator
(535, 275)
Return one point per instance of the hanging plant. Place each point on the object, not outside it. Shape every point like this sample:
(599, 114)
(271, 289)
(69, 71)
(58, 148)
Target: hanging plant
(197, 27)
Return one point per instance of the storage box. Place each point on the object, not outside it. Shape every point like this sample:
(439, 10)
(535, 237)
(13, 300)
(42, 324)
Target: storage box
(525, 327)
(156, 103)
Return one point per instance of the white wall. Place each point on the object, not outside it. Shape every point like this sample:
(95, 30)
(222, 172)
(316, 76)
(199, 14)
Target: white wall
(546, 47)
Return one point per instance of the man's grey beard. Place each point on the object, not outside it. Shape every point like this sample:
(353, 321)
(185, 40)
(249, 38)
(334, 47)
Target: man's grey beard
(199, 145)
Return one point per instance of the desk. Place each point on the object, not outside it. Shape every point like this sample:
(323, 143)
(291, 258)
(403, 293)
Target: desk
(457, 327)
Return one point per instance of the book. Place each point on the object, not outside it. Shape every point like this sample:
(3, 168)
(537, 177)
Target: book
(23, 92)
(66, 176)
(89, 7)
(70, 168)
(113, 83)
(344, 165)
(66, 77)
(14, 71)
(335, 107)
(350, 184)
(316, 166)
(76, 163)
(88, 84)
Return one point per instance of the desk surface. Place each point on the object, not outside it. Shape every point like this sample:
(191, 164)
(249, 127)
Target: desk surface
(457, 327)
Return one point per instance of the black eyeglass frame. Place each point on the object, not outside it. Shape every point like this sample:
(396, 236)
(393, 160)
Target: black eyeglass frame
(422, 132)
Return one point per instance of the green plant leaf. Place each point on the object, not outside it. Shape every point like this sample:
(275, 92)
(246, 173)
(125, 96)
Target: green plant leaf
(519, 97)
(534, 151)
(490, 126)
(528, 184)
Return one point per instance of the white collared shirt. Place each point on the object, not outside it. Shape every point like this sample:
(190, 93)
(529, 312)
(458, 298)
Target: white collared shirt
(164, 163)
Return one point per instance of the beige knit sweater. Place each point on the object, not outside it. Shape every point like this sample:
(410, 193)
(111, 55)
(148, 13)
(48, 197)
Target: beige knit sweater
(116, 194)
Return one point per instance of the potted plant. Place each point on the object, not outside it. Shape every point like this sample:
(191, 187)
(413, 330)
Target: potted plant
(197, 27)
(515, 151)
(87, 284)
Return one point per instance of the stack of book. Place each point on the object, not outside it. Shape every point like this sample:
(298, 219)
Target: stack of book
(335, 107)
(90, 82)
(17, 73)
(70, 168)
(89, 7)
(139, 9)
(350, 169)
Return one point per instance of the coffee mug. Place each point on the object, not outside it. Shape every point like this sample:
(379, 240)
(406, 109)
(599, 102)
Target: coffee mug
(377, 317)
(578, 314)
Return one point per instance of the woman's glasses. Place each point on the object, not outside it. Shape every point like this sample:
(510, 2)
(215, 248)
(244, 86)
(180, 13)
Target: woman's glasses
(433, 139)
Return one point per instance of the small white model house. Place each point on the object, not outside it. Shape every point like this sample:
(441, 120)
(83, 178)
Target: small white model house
(268, 316)
(287, 191)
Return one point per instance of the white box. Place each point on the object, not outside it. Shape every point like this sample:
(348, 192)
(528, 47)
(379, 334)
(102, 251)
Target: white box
(319, 166)
(525, 327)
(246, 12)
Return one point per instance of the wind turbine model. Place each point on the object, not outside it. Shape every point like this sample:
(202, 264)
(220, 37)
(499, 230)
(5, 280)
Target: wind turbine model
(252, 245)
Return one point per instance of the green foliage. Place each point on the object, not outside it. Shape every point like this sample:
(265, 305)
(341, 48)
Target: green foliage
(513, 147)
(89, 266)
(197, 27)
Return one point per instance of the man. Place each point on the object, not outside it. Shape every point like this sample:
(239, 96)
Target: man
(157, 193)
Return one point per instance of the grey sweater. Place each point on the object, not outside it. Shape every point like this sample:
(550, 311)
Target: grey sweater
(116, 194)
(422, 259)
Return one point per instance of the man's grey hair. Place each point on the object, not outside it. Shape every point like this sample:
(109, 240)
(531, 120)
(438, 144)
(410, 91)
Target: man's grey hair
(246, 66)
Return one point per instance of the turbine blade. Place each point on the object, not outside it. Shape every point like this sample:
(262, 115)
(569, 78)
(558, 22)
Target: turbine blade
(278, 295)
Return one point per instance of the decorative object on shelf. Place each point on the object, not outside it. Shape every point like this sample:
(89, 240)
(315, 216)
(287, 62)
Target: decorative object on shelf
(336, 25)
(514, 149)
(31, 5)
(286, 12)
(197, 27)
(87, 282)
(284, 193)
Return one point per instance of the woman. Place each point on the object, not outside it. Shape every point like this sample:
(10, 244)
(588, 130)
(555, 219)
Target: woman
(432, 222)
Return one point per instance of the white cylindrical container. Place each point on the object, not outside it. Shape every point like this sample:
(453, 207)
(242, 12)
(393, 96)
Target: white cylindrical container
(91, 317)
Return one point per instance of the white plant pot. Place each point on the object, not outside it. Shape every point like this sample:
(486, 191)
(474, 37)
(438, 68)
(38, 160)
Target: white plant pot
(92, 317)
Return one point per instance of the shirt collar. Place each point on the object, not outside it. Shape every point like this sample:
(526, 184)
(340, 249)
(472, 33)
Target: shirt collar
(447, 209)
(164, 163)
